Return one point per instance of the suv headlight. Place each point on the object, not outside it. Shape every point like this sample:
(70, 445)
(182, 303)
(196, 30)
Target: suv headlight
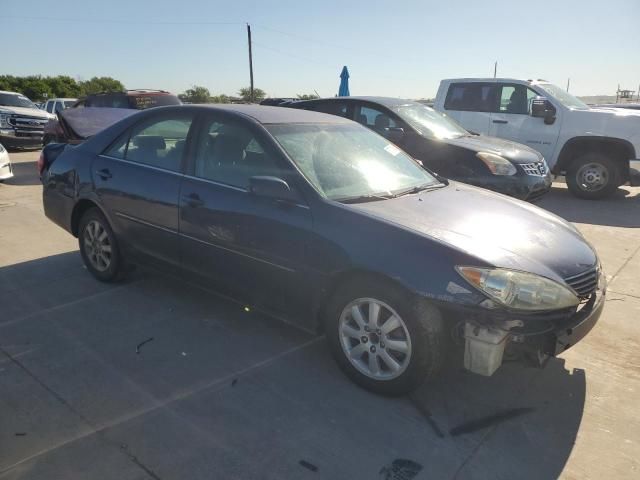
(519, 290)
(4, 118)
(497, 164)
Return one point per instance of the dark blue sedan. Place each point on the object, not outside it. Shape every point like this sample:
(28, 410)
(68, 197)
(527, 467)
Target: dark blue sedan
(322, 222)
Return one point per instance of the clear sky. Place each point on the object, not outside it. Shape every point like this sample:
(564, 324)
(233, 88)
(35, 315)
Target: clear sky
(392, 47)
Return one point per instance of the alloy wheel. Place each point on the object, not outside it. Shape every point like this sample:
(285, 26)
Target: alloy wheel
(97, 245)
(374, 339)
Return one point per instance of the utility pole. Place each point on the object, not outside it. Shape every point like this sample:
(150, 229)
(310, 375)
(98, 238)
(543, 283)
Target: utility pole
(568, 83)
(495, 69)
(250, 62)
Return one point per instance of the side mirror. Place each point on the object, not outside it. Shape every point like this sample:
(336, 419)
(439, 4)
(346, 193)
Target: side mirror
(394, 134)
(543, 108)
(272, 187)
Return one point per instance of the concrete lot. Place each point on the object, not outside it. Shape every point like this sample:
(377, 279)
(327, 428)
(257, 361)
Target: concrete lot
(221, 393)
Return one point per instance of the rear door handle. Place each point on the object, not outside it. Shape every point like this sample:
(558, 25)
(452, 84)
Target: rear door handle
(193, 200)
(500, 121)
(104, 174)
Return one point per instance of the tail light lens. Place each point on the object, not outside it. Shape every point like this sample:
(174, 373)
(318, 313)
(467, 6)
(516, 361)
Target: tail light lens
(41, 163)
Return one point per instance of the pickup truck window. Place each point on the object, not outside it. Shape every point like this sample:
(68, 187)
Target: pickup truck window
(470, 97)
(515, 99)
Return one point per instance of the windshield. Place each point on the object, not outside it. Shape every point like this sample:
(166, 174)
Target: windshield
(350, 161)
(69, 103)
(429, 122)
(563, 97)
(10, 100)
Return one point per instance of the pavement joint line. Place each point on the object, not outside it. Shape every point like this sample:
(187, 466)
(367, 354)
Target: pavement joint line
(100, 429)
(621, 293)
(64, 305)
(626, 262)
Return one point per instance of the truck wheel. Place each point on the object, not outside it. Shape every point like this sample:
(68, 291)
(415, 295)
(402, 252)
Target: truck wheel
(593, 176)
(99, 248)
(384, 340)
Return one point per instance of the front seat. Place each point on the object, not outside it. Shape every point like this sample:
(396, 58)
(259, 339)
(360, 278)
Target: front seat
(381, 122)
(225, 161)
(518, 101)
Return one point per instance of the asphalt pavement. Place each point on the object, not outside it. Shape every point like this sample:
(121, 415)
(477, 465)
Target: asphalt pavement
(156, 378)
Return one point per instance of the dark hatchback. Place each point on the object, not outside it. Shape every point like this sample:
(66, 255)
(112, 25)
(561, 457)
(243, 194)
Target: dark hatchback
(320, 221)
(444, 146)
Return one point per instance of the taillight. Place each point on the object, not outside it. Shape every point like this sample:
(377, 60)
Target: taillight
(41, 163)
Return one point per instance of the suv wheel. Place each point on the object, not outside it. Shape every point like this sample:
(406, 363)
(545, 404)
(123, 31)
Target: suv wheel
(384, 340)
(593, 176)
(98, 247)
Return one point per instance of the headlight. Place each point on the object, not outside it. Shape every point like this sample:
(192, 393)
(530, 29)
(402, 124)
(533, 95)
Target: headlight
(4, 119)
(497, 164)
(519, 290)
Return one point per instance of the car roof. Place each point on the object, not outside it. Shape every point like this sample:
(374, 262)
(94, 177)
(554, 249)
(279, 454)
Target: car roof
(269, 114)
(58, 99)
(386, 101)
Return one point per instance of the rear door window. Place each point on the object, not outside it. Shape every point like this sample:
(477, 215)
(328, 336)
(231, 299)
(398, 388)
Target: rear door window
(471, 97)
(158, 143)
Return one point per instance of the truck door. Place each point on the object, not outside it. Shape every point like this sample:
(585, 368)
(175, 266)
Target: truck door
(512, 120)
(470, 104)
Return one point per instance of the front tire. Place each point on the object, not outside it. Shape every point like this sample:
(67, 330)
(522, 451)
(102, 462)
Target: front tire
(593, 176)
(99, 247)
(385, 340)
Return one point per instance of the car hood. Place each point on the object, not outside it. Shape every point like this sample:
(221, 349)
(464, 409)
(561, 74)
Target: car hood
(610, 122)
(516, 152)
(31, 112)
(496, 229)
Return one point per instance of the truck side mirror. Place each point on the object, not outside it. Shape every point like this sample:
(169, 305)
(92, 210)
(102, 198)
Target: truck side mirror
(543, 108)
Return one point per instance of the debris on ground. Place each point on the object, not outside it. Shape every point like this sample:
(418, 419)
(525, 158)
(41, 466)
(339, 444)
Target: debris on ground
(308, 466)
(142, 343)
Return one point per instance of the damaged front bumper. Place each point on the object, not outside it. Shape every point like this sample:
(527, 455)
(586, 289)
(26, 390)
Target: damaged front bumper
(532, 341)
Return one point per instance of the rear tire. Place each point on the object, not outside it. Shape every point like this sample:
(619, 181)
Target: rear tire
(99, 247)
(593, 176)
(385, 360)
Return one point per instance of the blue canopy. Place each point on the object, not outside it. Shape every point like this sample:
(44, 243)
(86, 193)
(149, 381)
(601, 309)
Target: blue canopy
(343, 91)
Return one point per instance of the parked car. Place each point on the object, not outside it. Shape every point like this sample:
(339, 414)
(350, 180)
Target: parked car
(55, 105)
(597, 149)
(130, 99)
(21, 122)
(6, 170)
(277, 101)
(443, 146)
(317, 219)
(630, 105)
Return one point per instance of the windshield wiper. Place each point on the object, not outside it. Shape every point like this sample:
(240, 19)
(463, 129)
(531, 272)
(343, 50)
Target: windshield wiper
(363, 198)
(419, 188)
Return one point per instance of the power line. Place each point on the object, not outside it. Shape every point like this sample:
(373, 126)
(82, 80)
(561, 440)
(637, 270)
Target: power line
(119, 21)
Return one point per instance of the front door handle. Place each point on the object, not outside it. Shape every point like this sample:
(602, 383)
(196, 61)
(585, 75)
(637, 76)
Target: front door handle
(500, 121)
(104, 174)
(193, 200)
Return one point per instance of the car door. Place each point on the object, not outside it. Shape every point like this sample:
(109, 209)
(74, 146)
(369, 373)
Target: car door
(512, 120)
(252, 247)
(471, 104)
(138, 181)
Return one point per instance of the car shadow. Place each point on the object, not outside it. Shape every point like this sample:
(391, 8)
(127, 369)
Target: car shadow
(619, 210)
(24, 173)
(217, 383)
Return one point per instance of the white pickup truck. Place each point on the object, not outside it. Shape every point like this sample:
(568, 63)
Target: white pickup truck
(597, 149)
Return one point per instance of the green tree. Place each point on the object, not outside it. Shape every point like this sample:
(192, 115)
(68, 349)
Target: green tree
(196, 94)
(307, 96)
(222, 98)
(64, 86)
(258, 95)
(101, 84)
